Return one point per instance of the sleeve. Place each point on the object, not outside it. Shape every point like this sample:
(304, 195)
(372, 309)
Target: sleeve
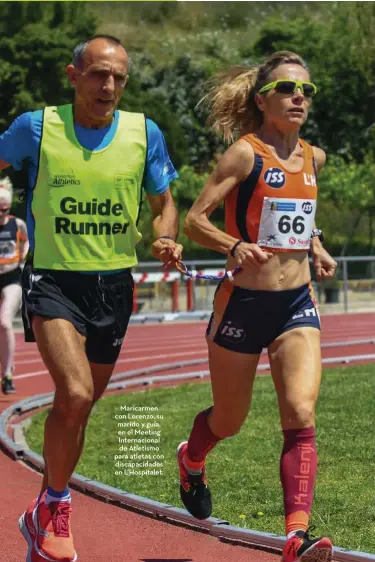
(16, 141)
(159, 170)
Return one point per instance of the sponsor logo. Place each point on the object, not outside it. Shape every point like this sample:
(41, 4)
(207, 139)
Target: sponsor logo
(309, 179)
(282, 206)
(307, 207)
(292, 240)
(122, 181)
(60, 180)
(118, 341)
(274, 177)
(231, 332)
(303, 242)
(272, 238)
(307, 312)
(167, 169)
(304, 471)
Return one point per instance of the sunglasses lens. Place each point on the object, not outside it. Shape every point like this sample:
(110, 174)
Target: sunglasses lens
(308, 90)
(285, 87)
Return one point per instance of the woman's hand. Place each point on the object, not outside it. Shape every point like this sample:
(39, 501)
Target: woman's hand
(251, 255)
(324, 264)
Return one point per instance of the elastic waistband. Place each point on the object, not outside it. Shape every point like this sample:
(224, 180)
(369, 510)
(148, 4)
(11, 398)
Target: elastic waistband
(287, 293)
(79, 277)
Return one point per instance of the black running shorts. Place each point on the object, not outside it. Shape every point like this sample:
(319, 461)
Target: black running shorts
(248, 320)
(10, 278)
(98, 306)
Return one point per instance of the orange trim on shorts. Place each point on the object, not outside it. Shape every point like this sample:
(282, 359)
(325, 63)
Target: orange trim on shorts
(221, 301)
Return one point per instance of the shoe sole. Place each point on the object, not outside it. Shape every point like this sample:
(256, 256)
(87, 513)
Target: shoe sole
(26, 535)
(179, 448)
(317, 555)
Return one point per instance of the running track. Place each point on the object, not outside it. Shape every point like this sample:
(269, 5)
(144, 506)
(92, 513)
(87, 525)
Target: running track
(106, 533)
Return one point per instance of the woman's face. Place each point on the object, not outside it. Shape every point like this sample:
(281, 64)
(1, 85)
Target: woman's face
(288, 111)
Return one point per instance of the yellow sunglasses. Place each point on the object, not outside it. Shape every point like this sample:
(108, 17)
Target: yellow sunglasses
(285, 86)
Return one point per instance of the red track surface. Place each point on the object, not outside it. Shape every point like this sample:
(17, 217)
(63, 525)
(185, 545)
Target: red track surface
(105, 533)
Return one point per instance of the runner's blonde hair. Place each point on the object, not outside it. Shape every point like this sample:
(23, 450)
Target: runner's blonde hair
(6, 190)
(230, 96)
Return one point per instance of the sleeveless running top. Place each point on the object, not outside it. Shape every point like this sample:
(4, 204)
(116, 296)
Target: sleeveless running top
(86, 203)
(10, 239)
(273, 207)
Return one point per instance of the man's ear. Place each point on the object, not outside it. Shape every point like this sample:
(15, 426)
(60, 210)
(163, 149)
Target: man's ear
(71, 74)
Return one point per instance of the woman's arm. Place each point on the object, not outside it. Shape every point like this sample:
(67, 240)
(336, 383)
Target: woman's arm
(234, 166)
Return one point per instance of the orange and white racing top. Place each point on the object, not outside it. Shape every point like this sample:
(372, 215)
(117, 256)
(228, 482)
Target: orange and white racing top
(11, 238)
(274, 207)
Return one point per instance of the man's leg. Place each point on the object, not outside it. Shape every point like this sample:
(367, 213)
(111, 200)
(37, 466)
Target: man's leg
(62, 350)
(46, 523)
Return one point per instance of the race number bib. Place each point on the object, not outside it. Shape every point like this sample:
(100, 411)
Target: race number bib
(286, 223)
(7, 249)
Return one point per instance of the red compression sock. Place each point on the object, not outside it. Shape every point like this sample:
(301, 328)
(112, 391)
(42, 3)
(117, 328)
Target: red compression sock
(298, 466)
(201, 442)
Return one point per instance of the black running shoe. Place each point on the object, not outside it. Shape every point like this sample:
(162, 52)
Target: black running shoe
(7, 385)
(302, 548)
(194, 492)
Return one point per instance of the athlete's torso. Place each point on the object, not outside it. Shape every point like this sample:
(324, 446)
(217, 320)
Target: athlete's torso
(275, 208)
(10, 239)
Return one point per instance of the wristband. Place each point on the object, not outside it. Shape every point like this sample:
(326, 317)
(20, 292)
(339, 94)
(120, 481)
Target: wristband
(317, 232)
(165, 236)
(235, 247)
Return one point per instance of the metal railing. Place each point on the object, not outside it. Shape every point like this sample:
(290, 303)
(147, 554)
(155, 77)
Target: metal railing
(352, 290)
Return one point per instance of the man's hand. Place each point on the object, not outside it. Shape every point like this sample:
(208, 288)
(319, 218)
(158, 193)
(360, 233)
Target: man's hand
(324, 264)
(167, 251)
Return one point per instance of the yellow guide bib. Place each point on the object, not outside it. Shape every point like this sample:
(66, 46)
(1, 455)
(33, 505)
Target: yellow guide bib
(86, 203)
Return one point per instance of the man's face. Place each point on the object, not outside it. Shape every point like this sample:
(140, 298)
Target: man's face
(99, 81)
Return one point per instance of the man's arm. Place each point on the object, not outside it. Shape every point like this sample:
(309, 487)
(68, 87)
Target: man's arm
(165, 227)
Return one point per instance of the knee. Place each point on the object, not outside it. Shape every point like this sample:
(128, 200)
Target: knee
(5, 325)
(301, 414)
(225, 426)
(74, 405)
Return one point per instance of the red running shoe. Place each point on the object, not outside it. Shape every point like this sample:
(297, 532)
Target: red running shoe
(300, 547)
(194, 492)
(46, 529)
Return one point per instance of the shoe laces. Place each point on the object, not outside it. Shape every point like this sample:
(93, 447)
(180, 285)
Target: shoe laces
(310, 531)
(60, 518)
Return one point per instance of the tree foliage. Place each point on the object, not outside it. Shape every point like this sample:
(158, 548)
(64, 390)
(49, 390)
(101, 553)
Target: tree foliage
(175, 47)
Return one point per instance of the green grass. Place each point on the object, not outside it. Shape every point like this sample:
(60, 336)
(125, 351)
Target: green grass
(244, 470)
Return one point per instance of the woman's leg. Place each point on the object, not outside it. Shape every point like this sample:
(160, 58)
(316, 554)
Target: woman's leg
(10, 303)
(232, 377)
(296, 370)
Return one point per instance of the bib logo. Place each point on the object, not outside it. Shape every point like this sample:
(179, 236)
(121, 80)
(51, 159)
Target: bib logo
(307, 208)
(274, 177)
(60, 180)
(232, 333)
(121, 181)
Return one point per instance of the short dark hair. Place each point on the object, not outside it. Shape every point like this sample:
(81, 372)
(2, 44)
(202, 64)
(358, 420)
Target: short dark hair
(79, 50)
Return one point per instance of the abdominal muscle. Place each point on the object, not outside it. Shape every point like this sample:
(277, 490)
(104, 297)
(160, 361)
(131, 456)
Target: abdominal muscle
(285, 270)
